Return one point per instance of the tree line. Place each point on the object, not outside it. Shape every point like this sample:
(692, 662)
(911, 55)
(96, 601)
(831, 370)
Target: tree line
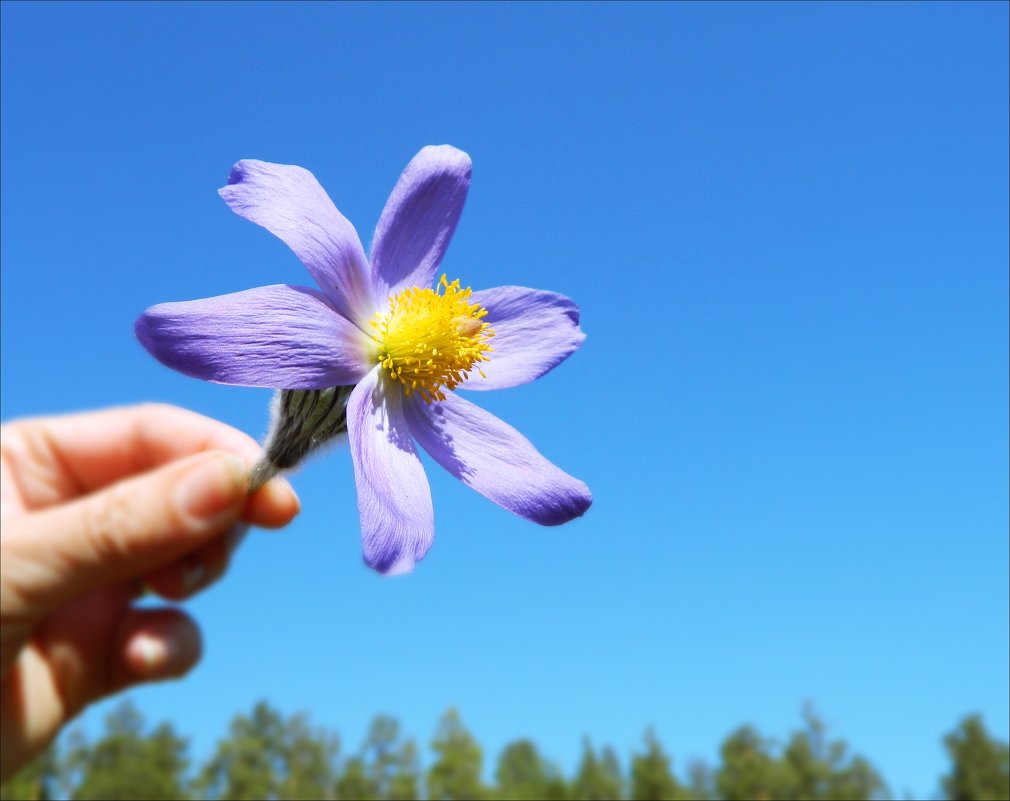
(267, 755)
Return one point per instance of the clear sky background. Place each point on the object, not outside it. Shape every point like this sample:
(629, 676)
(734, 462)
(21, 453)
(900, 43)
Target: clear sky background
(786, 226)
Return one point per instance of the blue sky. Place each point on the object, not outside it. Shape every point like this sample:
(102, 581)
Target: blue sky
(786, 226)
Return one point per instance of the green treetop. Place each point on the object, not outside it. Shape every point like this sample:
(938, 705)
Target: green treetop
(455, 773)
(598, 777)
(980, 764)
(652, 777)
(267, 756)
(127, 763)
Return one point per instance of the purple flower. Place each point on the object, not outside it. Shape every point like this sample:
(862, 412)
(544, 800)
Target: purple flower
(381, 340)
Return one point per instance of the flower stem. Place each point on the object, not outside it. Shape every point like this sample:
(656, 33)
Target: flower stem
(261, 473)
(301, 421)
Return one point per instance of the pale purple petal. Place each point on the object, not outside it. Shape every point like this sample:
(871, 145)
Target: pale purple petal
(284, 337)
(394, 502)
(419, 219)
(289, 202)
(534, 331)
(496, 460)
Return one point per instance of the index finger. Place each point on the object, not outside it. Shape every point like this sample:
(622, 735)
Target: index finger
(56, 459)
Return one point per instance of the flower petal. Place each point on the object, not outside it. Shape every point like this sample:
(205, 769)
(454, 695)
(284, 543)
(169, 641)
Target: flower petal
(534, 331)
(289, 202)
(496, 460)
(419, 219)
(394, 501)
(284, 337)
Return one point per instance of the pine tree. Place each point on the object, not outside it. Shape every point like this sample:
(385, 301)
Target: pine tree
(522, 775)
(598, 778)
(980, 769)
(266, 756)
(126, 763)
(652, 778)
(456, 771)
(815, 767)
(748, 771)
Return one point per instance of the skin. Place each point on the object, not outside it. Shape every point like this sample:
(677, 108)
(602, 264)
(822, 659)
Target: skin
(96, 508)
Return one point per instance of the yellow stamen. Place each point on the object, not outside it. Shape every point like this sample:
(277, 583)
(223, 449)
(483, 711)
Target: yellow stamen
(431, 338)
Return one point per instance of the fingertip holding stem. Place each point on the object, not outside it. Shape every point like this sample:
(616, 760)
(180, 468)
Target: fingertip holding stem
(273, 502)
(211, 491)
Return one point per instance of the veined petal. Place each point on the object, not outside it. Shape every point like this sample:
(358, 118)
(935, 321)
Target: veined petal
(496, 460)
(394, 501)
(419, 219)
(289, 202)
(284, 337)
(534, 331)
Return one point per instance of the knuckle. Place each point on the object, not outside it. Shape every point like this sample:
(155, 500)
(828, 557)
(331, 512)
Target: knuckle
(111, 522)
(158, 407)
(153, 416)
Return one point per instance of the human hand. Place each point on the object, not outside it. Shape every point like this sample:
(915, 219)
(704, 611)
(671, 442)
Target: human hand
(95, 507)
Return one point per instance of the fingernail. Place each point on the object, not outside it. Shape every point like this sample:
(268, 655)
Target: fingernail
(167, 651)
(211, 489)
(154, 652)
(234, 536)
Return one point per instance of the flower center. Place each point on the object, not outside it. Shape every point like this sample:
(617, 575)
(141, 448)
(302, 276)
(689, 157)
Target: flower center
(431, 338)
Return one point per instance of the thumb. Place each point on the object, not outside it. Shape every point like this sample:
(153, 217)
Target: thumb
(119, 533)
